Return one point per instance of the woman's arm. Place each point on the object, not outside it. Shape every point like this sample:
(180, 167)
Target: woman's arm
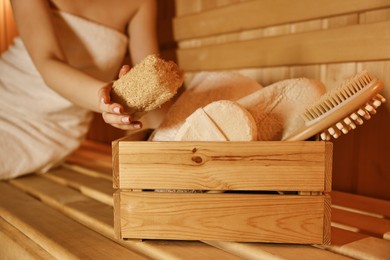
(36, 29)
(143, 32)
(143, 39)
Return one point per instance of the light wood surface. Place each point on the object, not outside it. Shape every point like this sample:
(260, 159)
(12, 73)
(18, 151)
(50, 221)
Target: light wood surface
(245, 16)
(353, 43)
(363, 204)
(53, 231)
(292, 166)
(98, 216)
(222, 217)
(16, 245)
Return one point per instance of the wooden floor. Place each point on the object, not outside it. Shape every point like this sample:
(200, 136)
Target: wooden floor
(68, 214)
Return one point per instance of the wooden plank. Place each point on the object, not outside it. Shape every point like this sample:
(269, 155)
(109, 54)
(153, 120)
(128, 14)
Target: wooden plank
(363, 204)
(226, 217)
(369, 225)
(96, 188)
(89, 212)
(54, 232)
(93, 170)
(221, 165)
(342, 237)
(327, 220)
(256, 14)
(350, 43)
(138, 136)
(16, 245)
(328, 166)
(99, 217)
(358, 246)
(94, 156)
(275, 251)
(97, 147)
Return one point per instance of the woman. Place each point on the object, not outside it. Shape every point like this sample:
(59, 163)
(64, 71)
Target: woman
(60, 69)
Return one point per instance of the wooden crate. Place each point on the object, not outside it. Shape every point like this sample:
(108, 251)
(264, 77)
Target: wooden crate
(227, 191)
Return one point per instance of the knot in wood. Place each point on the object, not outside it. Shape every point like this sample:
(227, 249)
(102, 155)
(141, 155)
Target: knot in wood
(194, 150)
(197, 159)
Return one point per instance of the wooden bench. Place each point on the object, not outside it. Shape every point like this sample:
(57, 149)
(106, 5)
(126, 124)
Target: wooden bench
(68, 213)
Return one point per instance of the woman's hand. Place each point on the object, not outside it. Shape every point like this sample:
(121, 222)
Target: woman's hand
(113, 112)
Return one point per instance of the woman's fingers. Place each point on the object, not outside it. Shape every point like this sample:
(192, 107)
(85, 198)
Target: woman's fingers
(124, 70)
(104, 93)
(112, 113)
(128, 127)
(121, 121)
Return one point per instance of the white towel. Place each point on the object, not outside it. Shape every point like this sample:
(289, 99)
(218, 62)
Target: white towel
(205, 88)
(38, 127)
(275, 108)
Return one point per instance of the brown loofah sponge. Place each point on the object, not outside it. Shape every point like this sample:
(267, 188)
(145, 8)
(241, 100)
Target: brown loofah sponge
(147, 85)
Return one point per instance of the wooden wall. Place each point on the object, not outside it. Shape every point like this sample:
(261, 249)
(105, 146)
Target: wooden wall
(271, 40)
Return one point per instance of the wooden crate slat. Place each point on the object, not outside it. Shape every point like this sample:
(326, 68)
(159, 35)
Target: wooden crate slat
(54, 232)
(257, 14)
(346, 44)
(226, 217)
(99, 217)
(16, 245)
(202, 165)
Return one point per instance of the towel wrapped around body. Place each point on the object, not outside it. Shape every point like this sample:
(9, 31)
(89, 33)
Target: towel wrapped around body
(38, 127)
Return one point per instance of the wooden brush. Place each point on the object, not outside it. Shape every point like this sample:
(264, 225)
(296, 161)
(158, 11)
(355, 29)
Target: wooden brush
(341, 109)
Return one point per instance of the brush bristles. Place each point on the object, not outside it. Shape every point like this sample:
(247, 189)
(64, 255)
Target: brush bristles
(359, 89)
(337, 96)
(350, 122)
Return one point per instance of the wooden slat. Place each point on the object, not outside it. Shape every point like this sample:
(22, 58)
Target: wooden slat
(99, 217)
(359, 246)
(370, 225)
(54, 232)
(226, 217)
(275, 251)
(347, 44)
(16, 245)
(93, 170)
(100, 148)
(364, 204)
(95, 157)
(221, 165)
(97, 188)
(256, 14)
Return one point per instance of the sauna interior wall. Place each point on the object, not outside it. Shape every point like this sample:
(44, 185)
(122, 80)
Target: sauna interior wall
(362, 157)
